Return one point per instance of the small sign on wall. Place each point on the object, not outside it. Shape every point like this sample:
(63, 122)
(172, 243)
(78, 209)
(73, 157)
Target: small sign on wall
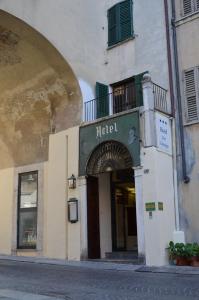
(163, 133)
(160, 206)
(150, 206)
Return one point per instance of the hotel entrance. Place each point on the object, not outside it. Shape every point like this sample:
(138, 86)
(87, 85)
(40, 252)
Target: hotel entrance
(109, 152)
(111, 214)
(123, 211)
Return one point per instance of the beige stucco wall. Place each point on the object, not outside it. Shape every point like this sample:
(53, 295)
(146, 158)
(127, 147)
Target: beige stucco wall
(147, 51)
(158, 187)
(39, 93)
(86, 49)
(6, 209)
(189, 192)
(55, 225)
(62, 239)
(57, 238)
(188, 54)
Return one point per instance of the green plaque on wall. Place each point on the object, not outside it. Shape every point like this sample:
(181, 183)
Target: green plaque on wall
(150, 206)
(160, 206)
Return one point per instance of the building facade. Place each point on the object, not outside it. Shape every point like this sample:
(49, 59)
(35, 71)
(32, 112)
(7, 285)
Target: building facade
(85, 97)
(185, 28)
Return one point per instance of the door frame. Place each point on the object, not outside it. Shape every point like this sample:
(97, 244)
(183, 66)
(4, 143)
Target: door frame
(93, 243)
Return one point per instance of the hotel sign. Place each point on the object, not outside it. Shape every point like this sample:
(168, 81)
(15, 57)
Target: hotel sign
(123, 129)
(163, 133)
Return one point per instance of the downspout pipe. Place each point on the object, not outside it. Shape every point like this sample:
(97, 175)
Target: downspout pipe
(169, 58)
(186, 178)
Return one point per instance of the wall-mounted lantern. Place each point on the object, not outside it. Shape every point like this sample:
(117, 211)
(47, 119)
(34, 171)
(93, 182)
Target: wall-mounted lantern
(73, 210)
(72, 182)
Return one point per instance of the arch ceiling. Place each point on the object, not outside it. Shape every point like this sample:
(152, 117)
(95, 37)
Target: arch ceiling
(39, 93)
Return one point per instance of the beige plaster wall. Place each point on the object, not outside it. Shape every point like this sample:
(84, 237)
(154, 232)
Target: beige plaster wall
(55, 226)
(189, 192)
(86, 49)
(6, 208)
(187, 34)
(57, 238)
(146, 51)
(188, 53)
(61, 238)
(158, 187)
(39, 94)
(74, 229)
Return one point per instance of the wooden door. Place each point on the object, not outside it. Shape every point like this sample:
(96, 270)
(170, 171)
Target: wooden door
(93, 218)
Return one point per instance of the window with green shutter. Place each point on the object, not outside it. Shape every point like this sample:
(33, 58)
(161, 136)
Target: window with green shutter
(102, 100)
(120, 22)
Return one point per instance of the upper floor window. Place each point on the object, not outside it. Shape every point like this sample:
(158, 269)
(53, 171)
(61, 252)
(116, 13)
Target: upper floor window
(124, 96)
(120, 22)
(190, 6)
(191, 80)
(116, 98)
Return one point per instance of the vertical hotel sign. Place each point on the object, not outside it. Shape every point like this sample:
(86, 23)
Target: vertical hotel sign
(123, 129)
(163, 133)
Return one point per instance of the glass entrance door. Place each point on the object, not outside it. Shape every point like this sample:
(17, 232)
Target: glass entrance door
(124, 226)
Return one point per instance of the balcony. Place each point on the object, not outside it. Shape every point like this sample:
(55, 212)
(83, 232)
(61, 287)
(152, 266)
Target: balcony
(123, 99)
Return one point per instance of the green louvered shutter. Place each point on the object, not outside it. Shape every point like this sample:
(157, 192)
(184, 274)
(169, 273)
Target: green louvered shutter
(102, 100)
(113, 30)
(125, 20)
(138, 89)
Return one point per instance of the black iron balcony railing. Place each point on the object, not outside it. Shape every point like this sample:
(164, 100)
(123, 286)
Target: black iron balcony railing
(160, 99)
(121, 99)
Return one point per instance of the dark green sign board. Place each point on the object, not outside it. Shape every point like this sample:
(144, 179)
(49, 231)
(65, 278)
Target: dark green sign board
(150, 206)
(123, 129)
(160, 206)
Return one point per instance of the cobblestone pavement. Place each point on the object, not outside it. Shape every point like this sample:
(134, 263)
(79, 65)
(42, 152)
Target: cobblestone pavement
(33, 281)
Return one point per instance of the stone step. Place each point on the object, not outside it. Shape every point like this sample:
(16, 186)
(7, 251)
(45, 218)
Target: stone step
(122, 255)
(136, 261)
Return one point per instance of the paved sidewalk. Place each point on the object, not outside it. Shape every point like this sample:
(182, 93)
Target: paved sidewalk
(100, 265)
(16, 295)
(170, 269)
(43, 279)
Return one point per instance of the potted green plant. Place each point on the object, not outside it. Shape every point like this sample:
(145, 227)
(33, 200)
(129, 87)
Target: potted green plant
(172, 251)
(180, 253)
(183, 252)
(194, 258)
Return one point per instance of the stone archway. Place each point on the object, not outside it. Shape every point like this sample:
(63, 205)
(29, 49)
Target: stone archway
(39, 93)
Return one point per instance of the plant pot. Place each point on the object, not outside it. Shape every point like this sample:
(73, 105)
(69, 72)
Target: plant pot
(194, 261)
(182, 261)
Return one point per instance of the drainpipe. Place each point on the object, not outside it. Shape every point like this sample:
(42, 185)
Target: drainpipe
(169, 58)
(178, 95)
(178, 234)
